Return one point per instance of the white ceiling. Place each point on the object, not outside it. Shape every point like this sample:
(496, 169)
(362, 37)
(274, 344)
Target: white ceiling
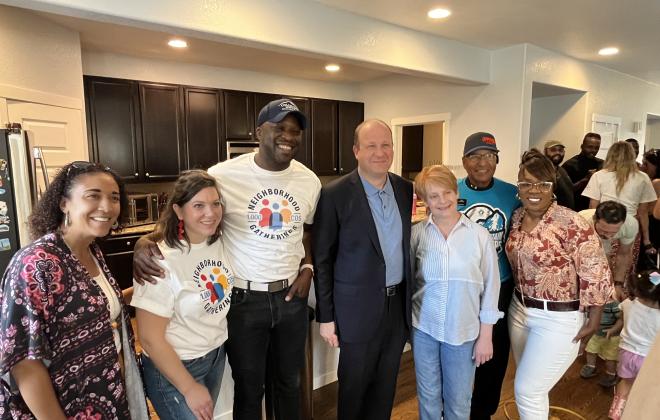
(577, 28)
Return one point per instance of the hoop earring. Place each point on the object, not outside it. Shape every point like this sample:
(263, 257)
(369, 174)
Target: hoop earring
(180, 230)
(517, 196)
(67, 219)
(115, 225)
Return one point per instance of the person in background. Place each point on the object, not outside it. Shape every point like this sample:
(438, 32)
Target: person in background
(454, 298)
(489, 202)
(555, 150)
(617, 232)
(635, 145)
(182, 319)
(651, 166)
(580, 168)
(639, 327)
(269, 200)
(559, 267)
(65, 334)
(362, 256)
(621, 180)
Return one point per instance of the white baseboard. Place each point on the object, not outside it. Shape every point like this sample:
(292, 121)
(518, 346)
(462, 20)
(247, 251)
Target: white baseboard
(325, 379)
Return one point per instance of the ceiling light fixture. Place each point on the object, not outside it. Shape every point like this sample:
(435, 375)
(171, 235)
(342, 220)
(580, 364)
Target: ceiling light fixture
(608, 51)
(177, 43)
(332, 68)
(438, 13)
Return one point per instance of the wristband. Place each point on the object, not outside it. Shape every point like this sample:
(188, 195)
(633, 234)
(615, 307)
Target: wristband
(304, 266)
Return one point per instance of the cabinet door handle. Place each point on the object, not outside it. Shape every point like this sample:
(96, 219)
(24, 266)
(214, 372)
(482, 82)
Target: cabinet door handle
(250, 133)
(341, 169)
(137, 174)
(128, 243)
(334, 169)
(146, 174)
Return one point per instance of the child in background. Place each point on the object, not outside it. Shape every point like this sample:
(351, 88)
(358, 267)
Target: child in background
(605, 346)
(640, 320)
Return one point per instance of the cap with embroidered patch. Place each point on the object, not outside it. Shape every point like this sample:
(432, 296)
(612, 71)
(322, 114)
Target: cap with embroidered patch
(479, 141)
(552, 143)
(275, 111)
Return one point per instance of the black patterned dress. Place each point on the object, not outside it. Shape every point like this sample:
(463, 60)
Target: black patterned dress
(52, 310)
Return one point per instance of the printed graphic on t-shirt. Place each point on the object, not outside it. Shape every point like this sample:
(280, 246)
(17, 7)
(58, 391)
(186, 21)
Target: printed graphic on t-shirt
(215, 282)
(274, 213)
(492, 218)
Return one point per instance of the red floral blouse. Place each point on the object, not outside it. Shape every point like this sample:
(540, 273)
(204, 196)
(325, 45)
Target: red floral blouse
(561, 259)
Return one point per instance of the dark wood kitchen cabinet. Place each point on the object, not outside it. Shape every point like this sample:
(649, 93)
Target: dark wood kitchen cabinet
(113, 124)
(203, 127)
(325, 159)
(349, 116)
(239, 115)
(162, 136)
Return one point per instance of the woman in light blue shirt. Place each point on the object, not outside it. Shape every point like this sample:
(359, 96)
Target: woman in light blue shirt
(455, 292)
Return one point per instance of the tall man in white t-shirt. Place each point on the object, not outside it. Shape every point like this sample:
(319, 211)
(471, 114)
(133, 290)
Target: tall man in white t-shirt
(269, 200)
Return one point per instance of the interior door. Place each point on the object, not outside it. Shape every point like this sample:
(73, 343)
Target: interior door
(58, 131)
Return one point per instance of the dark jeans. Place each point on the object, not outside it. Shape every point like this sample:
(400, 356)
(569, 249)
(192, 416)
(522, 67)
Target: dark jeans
(264, 327)
(489, 376)
(368, 370)
(168, 402)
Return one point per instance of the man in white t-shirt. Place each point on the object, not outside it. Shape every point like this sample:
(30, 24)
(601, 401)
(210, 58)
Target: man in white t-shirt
(269, 200)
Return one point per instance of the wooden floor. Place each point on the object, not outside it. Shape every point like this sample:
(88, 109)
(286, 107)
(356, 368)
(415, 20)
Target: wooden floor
(583, 396)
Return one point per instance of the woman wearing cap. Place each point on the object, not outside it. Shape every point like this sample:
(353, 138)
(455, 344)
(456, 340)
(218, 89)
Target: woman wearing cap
(66, 342)
(559, 267)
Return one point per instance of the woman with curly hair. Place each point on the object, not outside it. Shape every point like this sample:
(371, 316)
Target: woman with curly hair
(651, 166)
(622, 181)
(65, 336)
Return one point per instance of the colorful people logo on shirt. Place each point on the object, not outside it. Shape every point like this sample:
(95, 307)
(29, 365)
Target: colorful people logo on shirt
(215, 280)
(274, 214)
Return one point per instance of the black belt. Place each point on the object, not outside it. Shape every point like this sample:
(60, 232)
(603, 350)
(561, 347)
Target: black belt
(549, 305)
(392, 290)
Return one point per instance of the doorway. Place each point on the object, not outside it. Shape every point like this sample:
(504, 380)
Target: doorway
(652, 137)
(419, 141)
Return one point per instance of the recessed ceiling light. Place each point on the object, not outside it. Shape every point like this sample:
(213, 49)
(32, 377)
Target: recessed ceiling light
(177, 43)
(438, 13)
(332, 68)
(608, 51)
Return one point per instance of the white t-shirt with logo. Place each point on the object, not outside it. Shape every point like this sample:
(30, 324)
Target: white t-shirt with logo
(626, 234)
(264, 213)
(195, 294)
(637, 189)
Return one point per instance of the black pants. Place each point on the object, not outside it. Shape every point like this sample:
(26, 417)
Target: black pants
(489, 376)
(368, 370)
(262, 327)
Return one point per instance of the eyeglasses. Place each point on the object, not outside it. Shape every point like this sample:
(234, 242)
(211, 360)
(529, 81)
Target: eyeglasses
(488, 157)
(544, 187)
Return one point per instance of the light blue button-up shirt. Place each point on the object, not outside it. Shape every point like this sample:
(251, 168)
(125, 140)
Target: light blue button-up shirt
(456, 283)
(387, 218)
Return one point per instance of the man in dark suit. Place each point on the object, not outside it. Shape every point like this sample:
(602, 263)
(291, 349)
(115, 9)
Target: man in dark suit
(361, 247)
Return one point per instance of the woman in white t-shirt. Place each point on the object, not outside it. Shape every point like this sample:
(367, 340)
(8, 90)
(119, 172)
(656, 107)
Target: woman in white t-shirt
(182, 319)
(622, 181)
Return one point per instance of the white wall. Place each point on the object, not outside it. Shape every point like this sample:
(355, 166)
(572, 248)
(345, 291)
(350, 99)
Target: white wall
(560, 117)
(41, 61)
(609, 92)
(653, 134)
(128, 67)
(495, 108)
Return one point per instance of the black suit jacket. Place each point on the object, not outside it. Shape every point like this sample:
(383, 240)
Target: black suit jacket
(349, 263)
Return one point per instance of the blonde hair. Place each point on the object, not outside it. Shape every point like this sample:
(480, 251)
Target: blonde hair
(620, 159)
(437, 175)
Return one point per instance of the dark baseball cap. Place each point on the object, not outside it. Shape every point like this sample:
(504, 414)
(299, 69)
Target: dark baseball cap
(275, 111)
(479, 141)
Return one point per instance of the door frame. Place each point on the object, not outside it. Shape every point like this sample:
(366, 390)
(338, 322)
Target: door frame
(397, 125)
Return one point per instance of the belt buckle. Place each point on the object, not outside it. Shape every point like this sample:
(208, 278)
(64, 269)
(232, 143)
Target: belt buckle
(390, 291)
(276, 286)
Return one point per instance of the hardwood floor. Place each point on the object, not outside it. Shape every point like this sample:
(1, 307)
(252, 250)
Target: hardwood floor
(584, 396)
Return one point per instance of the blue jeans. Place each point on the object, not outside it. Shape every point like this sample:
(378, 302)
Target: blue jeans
(265, 329)
(445, 375)
(167, 400)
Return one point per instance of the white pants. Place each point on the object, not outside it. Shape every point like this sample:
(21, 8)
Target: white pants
(542, 345)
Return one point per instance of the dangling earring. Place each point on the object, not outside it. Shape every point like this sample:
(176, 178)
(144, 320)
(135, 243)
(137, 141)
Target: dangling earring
(67, 219)
(517, 196)
(115, 225)
(180, 230)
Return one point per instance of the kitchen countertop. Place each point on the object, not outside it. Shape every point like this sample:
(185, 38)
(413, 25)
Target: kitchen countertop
(142, 229)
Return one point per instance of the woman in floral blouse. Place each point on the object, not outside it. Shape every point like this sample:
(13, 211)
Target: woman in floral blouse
(560, 271)
(65, 338)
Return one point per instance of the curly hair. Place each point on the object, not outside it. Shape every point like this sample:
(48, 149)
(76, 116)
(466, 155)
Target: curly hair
(47, 216)
(643, 287)
(620, 159)
(653, 157)
(538, 165)
(185, 188)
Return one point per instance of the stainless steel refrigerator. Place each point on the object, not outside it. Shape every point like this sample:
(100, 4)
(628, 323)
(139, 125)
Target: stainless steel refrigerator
(20, 164)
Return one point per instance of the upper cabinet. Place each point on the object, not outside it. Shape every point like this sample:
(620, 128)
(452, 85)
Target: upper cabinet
(150, 132)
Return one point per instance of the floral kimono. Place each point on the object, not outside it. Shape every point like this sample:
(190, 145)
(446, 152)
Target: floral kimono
(52, 310)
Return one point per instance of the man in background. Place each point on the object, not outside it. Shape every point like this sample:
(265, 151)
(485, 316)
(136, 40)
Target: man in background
(555, 150)
(580, 168)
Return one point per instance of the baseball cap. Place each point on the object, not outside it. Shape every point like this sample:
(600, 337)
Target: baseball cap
(478, 141)
(552, 143)
(275, 111)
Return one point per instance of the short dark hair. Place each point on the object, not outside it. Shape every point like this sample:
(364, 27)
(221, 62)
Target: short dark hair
(611, 212)
(653, 157)
(631, 140)
(591, 135)
(539, 165)
(47, 216)
(185, 188)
